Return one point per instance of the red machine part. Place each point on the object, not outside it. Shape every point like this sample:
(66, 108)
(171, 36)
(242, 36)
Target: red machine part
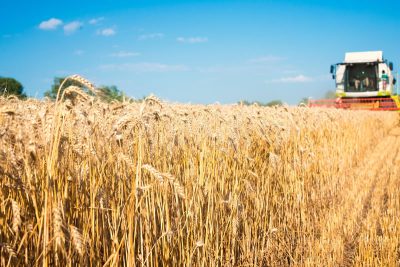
(366, 103)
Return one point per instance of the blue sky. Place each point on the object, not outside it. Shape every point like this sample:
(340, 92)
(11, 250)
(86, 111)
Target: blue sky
(193, 51)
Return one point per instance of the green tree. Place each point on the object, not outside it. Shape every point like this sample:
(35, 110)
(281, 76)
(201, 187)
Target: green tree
(10, 86)
(304, 101)
(52, 92)
(106, 93)
(273, 103)
(110, 93)
(330, 95)
(268, 104)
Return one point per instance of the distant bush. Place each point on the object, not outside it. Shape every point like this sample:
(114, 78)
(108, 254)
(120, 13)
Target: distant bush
(10, 86)
(267, 104)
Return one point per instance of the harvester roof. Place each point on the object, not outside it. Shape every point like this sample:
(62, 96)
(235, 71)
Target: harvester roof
(361, 57)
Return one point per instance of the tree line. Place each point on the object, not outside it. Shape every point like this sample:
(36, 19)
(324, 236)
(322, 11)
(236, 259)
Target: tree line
(10, 86)
(304, 101)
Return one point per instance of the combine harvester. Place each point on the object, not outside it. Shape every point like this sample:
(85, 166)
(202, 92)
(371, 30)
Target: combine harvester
(363, 81)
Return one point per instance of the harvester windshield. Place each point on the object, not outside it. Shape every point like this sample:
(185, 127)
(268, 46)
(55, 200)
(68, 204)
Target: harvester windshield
(361, 77)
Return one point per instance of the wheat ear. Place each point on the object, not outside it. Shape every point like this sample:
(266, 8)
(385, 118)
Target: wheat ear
(77, 240)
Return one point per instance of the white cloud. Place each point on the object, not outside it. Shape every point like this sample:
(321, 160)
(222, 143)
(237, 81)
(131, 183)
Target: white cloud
(72, 27)
(293, 79)
(125, 54)
(95, 21)
(192, 40)
(50, 24)
(290, 71)
(150, 36)
(266, 59)
(106, 32)
(325, 77)
(144, 67)
(224, 69)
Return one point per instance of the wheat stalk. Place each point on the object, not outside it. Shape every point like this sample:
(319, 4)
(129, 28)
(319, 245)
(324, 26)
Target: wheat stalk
(16, 219)
(304, 178)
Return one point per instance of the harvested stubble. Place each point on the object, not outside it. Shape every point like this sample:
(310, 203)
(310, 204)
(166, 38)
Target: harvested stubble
(156, 184)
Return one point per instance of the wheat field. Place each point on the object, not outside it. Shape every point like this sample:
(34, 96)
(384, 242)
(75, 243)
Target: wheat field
(86, 183)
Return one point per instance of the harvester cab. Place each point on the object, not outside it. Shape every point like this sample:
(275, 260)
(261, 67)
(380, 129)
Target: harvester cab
(364, 80)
